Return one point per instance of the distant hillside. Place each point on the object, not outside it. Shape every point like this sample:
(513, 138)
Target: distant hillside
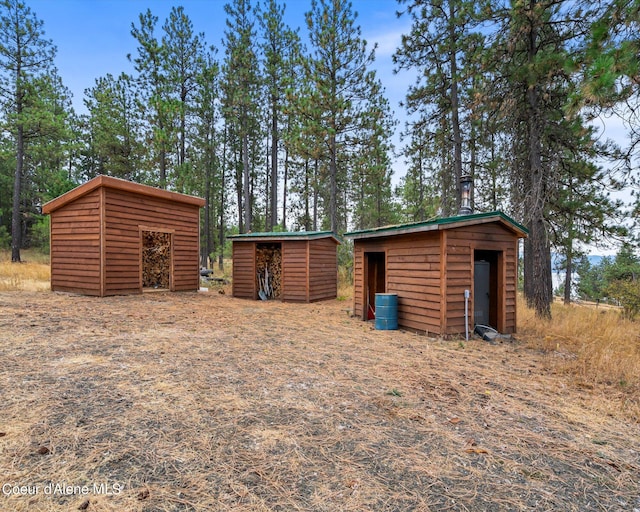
(556, 260)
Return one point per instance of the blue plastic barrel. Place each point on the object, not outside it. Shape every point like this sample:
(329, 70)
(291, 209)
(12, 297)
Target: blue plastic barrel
(386, 311)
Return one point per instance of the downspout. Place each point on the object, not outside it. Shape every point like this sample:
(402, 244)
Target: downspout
(466, 315)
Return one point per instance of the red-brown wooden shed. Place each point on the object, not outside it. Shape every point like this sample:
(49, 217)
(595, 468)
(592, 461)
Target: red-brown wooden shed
(113, 237)
(300, 267)
(429, 265)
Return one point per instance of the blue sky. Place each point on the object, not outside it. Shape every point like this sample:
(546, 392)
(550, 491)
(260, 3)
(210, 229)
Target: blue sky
(93, 37)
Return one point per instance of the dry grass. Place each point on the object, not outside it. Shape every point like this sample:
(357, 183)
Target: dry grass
(595, 345)
(32, 275)
(198, 401)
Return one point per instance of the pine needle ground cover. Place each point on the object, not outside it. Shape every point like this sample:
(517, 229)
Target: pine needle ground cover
(199, 401)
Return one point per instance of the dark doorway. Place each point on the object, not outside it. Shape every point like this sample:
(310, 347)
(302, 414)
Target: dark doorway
(375, 280)
(486, 287)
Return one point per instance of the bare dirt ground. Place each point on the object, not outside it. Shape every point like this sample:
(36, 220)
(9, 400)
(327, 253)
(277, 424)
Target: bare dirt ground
(198, 401)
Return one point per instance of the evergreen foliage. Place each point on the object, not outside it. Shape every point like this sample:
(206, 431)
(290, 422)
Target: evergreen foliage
(290, 128)
(25, 57)
(614, 280)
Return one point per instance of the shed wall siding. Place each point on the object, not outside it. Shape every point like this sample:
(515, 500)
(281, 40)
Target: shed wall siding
(244, 270)
(490, 237)
(431, 270)
(309, 269)
(412, 272)
(75, 246)
(125, 213)
(323, 270)
(459, 277)
(295, 277)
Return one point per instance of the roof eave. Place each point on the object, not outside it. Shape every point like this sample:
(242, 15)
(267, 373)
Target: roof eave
(442, 224)
(119, 184)
(392, 232)
(279, 237)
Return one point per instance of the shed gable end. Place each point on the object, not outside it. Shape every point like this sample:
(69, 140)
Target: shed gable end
(76, 246)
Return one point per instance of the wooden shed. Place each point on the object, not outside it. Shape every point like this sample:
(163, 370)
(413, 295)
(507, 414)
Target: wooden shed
(292, 267)
(429, 265)
(113, 237)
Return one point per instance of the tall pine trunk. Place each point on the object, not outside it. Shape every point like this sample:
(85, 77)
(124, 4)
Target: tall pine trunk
(246, 182)
(538, 286)
(208, 241)
(569, 270)
(221, 236)
(307, 197)
(285, 184)
(273, 221)
(16, 217)
(222, 205)
(333, 182)
(246, 174)
(163, 155)
(455, 117)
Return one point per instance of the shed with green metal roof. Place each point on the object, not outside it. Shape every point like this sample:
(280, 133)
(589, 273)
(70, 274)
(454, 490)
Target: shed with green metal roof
(444, 271)
(289, 266)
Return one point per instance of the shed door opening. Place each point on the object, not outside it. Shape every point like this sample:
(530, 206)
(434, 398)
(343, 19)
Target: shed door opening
(375, 280)
(269, 270)
(486, 284)
(156, 260)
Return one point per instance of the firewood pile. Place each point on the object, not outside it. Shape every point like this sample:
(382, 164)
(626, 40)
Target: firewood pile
(156, 259)
(269, 271)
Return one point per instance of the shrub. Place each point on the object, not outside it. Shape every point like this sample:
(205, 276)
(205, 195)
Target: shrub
(627, 294)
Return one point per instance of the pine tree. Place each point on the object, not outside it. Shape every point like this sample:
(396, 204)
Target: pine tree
(292, 121)
(419, 197)
(241, 102)
(277, 38)
(48, 136)
(623, 281)
(207, 141)
(24, 55)
(611, 79)
(583, 214)
(441, 33)
(157, 107)
(532, 47)
(114, 147)
(183, 50)
(372, 193)
(337, 70)
(306, 151)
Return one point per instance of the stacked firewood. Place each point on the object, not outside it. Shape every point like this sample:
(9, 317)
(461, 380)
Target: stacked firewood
(156, 259)
(269, 271)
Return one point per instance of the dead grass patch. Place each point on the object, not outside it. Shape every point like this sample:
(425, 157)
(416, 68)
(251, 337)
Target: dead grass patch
(594, 345)
(33, 274)
(198, 401)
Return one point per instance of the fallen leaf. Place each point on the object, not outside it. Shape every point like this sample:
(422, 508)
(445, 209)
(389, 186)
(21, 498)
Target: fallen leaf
(455, 421)
(476, 450)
